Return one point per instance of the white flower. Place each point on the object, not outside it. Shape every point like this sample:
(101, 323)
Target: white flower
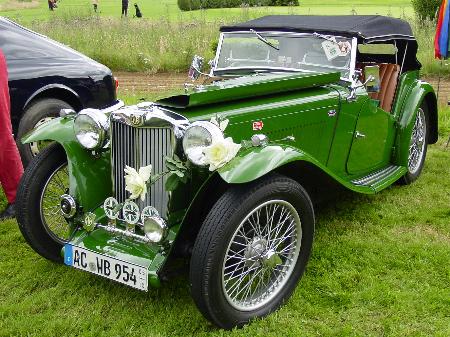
(136, 183)
(220, 152)
(222, 124)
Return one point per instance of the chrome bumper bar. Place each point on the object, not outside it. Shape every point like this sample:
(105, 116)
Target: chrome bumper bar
(126, 233)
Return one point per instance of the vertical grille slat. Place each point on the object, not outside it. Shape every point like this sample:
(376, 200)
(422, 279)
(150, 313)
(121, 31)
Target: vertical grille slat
(137, 147)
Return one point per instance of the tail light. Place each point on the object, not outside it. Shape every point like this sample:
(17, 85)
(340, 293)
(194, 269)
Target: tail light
(116, 83)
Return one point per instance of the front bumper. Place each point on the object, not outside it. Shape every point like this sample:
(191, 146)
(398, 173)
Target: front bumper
(102, 242)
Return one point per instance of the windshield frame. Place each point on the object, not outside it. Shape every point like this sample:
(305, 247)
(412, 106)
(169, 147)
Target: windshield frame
(215, 70)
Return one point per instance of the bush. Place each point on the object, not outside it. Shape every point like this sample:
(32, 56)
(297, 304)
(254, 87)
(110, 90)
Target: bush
(426, 9)
(189, 5)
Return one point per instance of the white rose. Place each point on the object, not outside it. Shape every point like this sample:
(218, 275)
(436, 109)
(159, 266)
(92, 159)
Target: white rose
(220, 152)
(136, 183)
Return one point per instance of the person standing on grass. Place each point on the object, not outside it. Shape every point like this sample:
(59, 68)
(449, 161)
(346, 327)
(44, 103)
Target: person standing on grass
(95, 4)
(11, 168)
(124, 8)
(50, 4)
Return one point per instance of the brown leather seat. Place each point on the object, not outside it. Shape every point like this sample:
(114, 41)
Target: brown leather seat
(388, 84)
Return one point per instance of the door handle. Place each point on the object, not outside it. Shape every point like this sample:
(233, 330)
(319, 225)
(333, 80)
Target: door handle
(359, 135)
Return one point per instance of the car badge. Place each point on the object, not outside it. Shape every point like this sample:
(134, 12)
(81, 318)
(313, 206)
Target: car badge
(258, 125)
(89, 222)
(111, 208)
(130, 212)
(136, 120)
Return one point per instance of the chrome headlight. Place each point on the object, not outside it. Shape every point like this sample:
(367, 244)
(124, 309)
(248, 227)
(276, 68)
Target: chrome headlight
(91, 128)
(197, 137)
(155, 228)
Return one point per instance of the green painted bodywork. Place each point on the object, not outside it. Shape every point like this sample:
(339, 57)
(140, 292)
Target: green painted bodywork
(250, 86)
(306, 117)
(87, 172)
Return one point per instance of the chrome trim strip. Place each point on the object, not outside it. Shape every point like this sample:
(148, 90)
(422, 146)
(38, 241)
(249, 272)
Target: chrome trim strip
(151, 116)
(116, 106)
(375, 176)
(353, 57)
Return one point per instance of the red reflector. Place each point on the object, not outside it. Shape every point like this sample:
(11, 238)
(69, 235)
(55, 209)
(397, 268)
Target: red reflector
(116, 82)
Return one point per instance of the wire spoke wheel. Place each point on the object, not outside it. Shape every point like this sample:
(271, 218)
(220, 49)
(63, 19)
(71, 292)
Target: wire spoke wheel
(261, 255)
(54, 222)
(418, 142)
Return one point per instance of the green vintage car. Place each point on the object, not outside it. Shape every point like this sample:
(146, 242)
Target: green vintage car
(221, 176)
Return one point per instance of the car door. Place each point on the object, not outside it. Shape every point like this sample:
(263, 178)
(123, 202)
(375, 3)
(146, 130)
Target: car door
(373, 139)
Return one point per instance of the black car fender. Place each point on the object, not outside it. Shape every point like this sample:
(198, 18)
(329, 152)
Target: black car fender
(56, 90)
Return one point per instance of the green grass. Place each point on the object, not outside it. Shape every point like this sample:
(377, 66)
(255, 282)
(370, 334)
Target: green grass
(167, 38)
(380, 267)
(155, 9)
(166, 45)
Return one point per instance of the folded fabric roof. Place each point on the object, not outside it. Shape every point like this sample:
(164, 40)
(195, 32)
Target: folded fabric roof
(366, 27)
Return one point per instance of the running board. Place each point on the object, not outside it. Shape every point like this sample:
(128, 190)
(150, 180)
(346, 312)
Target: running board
(380, 179)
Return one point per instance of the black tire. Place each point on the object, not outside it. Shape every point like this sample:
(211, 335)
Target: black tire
(35, 113)
(28, 203)
(414, 171)
(208, 264)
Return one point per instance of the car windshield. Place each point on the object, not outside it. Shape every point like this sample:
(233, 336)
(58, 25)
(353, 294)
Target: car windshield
(259, 51)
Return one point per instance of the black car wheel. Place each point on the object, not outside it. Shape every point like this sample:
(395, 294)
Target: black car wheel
(38, 202)
(417, 146)
(251, 250)
(36, 114)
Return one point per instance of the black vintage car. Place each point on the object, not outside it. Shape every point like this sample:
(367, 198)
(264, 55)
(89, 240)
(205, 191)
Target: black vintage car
(46, 76)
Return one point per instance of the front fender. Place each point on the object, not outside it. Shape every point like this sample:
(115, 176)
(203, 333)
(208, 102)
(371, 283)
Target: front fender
(87, 172)
(256, 162)
(420, 92)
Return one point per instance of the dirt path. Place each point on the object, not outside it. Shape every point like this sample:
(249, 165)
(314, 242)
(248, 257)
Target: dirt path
(158, 83)
(155, 83)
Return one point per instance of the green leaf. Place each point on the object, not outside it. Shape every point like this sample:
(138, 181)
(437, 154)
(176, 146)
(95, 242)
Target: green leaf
(154, 178)
(170, 160)
(179, 173)
(184, 179)
(171, 166)
(175, 161)
(172, 182)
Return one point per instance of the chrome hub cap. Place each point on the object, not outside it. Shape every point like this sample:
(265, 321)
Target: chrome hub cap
(418, 142)
(261, 255)
(254, 252)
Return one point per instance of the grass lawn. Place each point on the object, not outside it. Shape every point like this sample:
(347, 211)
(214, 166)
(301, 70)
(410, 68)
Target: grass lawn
(380, 267)
(156, 9)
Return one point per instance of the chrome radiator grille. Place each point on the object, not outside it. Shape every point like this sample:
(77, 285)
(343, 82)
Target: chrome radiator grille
(137, 147)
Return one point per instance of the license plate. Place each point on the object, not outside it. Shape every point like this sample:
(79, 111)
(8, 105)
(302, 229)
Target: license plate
(111, 268)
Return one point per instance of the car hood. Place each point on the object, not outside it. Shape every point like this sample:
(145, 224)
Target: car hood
(248, 86)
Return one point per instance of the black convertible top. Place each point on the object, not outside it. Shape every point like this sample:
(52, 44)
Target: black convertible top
(366, 27)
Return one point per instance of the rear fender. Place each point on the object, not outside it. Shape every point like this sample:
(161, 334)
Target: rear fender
(421, 92)
(87, 172)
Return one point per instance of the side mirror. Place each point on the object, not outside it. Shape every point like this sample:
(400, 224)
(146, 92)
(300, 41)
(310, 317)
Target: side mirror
(195, 70)
(372, 76)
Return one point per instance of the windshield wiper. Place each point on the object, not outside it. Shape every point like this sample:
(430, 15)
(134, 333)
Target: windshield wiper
(264, 40)
(325, 37)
